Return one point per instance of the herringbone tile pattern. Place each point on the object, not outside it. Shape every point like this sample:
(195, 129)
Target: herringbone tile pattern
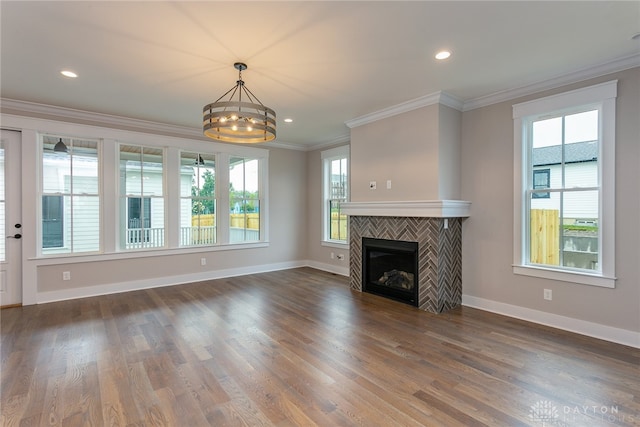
(439, 258)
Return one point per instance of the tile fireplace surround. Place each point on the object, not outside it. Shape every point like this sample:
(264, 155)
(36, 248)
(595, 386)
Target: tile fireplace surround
(440, 248)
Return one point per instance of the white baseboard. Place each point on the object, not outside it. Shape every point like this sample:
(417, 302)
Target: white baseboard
(583, 327)
(608, 333)
(158, 282)
(343, 271)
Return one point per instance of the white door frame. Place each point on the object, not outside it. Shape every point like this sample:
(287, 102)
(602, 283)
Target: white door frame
(11, 268)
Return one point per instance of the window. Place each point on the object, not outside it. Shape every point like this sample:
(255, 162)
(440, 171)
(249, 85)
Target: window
(244, 200)
(70, 196)
(197, 199)
(541, 181)
(565, 146)
(335, 190)
(142, 202)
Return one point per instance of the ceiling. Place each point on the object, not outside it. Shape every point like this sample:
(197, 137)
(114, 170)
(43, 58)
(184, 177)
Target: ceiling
(319, 63)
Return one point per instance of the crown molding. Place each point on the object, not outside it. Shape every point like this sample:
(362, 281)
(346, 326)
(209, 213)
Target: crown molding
(614, 66)
(32, 109)
(423, 101)
(36, 110)
(342, 139)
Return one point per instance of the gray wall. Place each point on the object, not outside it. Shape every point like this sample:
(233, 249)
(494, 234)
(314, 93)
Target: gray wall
(419, 151)
(96, 274)
(401, 148)
(319, 255)
(487, 181)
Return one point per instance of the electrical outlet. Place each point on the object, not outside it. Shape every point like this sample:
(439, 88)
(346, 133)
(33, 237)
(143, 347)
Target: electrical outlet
(372, 185)
(548, 295)
(203, 261)
(388, 184)
(341, 257)
(66, 275)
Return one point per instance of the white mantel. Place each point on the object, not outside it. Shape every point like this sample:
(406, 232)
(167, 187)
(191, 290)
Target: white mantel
(421, 208)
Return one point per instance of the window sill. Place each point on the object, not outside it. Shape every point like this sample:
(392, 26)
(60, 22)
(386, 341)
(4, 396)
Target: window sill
(565, 276)
(335, 244)
(142, 253)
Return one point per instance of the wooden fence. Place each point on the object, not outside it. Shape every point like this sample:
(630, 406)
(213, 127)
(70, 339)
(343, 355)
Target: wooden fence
(339, 224)
(249, 221)
(545, 236)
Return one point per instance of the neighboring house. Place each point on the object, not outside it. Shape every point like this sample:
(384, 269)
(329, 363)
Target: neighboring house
(143, 218)
(581, 170)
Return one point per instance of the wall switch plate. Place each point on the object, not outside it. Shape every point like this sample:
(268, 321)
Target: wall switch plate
(203, 261)
(548, 295)
(388, 184)
(66, 275)
(372, 185)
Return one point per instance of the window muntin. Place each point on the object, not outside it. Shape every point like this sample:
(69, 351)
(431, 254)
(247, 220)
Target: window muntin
(142, 200)
(197, 199)
(70, 196)
(244, 200)
(571, 117)
(336, 191)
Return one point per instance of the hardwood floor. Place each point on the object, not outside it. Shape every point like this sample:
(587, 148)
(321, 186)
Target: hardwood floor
(298, 348)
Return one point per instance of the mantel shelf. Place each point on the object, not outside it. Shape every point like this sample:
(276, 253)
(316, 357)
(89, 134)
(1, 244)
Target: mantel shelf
(423, 208)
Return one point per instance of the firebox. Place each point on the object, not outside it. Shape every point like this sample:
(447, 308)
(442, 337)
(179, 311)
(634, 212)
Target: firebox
(390, 269)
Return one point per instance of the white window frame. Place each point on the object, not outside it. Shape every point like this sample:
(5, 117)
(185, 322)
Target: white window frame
(215, 197)
(327, 157)
(603, 96)
(123, 202)
(262, 199)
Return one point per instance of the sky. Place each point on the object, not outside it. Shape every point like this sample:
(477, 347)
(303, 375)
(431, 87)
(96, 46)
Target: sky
(579, 127)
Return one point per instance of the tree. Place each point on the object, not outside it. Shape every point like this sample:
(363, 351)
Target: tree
(204, 205)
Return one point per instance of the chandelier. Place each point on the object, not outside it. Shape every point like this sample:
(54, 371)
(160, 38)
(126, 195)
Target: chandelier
(240, 121)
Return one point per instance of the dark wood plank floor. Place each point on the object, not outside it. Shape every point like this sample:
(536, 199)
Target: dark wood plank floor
(298, 348)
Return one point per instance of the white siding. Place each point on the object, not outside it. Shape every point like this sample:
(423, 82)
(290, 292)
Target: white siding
(579, 205)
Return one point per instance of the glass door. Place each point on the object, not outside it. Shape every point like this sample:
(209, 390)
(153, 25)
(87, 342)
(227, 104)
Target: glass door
(10, 220)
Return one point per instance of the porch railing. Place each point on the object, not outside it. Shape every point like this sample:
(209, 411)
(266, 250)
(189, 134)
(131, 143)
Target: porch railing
(138, 238)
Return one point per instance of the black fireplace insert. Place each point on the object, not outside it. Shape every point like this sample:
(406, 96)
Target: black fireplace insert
(390, 269)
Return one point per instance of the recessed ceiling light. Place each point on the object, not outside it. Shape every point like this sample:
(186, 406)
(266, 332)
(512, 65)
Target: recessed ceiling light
(288, 120)
(444, 54)
(69, 73)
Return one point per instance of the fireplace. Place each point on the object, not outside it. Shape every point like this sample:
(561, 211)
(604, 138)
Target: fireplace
(439, 249)
(390, 269)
